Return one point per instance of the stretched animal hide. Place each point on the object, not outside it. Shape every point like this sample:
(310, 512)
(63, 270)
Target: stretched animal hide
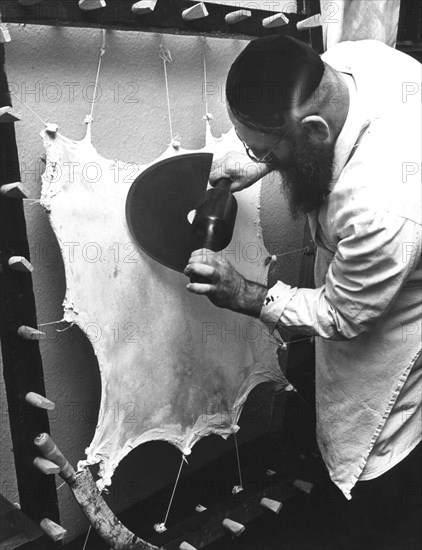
(173, 367)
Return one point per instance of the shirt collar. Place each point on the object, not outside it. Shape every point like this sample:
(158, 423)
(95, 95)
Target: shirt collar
(351, 129)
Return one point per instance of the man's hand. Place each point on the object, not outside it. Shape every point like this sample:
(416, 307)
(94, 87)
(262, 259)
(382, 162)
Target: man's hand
(239, 168)
(227, 288)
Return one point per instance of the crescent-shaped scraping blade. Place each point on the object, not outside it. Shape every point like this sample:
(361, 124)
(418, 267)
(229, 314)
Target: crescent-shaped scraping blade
(159, 202)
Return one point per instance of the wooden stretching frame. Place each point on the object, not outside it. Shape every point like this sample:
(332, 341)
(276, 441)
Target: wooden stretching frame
(165, 18)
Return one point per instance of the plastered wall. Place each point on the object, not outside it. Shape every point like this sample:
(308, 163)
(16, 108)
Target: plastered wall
(52, 70)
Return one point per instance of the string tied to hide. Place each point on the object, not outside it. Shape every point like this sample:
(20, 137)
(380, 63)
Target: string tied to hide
(165, 55)
(161, 527)
(208, 116)
(57, 323)
(29, 108)
(89, 118)
(237, 488)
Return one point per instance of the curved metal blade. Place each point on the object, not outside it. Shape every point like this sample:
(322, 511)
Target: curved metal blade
(159, 202)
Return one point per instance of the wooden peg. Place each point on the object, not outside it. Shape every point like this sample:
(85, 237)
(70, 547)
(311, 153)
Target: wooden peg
(52, 530)
(13, 190)
(237, 489)
(236, 16)
(19, 263)
(4, 34)
(272, 505)
(89, 5)
(49, 450)
(233, 527)
(310, 23)
(304, 486)
(39, 401)
(198, 11)
(186, 546)
(199, 508)
(160, 528)
(51, 128)
(191, 216)
(45, 466)
(7, 114)
(277, 20)
(143, 7)
(29, 333)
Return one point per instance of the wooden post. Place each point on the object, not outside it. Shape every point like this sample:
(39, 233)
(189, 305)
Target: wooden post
(7, 114)
(20, 263)
(30, 333)
(237, 16)
(195, 12)
(277, 20)
(46, 466)
(233, 527)
(310, 23)
(13, 190)
(39, 401)
(143, 7)
(271, 504)
(4, 34)
(89, 5)
(52, 529)
(305, 486)
(22, 367)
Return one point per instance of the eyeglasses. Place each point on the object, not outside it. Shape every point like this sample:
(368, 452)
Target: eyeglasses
(265, 158)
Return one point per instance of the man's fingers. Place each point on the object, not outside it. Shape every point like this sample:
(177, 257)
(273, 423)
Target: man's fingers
(202, 256)
(202, 252)
(237, 186)
(199, 288)
(202, 270)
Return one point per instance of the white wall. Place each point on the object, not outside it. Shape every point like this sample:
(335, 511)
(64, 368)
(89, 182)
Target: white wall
(52, 69)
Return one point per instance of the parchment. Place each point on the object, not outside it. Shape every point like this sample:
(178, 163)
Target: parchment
(173, 366)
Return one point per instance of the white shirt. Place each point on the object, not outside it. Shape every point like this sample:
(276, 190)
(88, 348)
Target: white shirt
(366, 309)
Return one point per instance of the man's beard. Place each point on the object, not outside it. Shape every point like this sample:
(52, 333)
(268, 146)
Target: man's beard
(307, 175)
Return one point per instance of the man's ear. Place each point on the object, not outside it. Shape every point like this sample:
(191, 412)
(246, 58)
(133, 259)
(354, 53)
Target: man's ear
(316, 128)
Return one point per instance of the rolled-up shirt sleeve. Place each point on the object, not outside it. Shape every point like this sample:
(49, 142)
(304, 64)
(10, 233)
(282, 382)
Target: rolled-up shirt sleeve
(375, 256)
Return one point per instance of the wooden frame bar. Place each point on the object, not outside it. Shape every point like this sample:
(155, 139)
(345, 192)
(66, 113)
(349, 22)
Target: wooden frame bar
(22, 367)
(165, 18)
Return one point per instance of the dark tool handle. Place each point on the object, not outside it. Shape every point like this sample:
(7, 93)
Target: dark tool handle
(215, 215)
(224, 183)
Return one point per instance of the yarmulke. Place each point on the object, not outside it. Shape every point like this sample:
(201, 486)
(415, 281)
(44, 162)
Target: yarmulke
(270, 77)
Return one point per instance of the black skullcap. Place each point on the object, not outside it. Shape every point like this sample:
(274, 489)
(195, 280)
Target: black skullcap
(270, 77)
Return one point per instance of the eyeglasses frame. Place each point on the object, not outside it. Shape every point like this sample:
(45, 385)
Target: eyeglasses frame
(251, 154)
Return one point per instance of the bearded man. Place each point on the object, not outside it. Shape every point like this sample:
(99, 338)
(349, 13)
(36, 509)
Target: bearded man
(343, 130)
